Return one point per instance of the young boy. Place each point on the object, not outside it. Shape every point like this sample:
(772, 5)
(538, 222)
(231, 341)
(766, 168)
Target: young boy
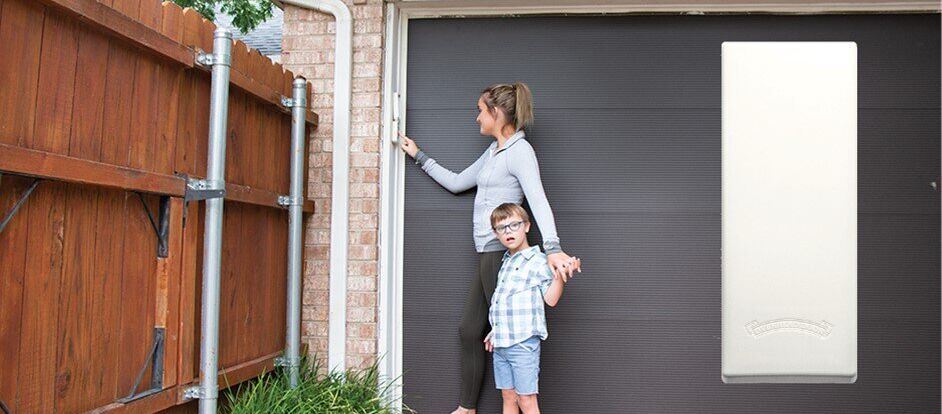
(518, 323)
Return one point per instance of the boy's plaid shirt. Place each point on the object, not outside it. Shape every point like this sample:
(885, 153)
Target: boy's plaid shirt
(516, 311)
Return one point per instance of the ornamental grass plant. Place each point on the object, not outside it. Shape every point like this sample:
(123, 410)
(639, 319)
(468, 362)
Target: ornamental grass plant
(355, 391)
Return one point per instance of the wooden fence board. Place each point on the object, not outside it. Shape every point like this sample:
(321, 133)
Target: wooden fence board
(79, 292)
(173, 266)
(138, 295)
(172, 24)
(37, 353)
(200, 143)
(91, 70)
(274, 274)
(130, 8)
(235, 138)
(186, 136)
(12, 280)
(247, 298)
(119, 87)
(188, 295)
(261, 163)
(192, 30)
(56, 85)
(169, 85)
(20, 46)
(151, 13)
(253, 171)
(144, 115)
(242, 271)
(110, 238)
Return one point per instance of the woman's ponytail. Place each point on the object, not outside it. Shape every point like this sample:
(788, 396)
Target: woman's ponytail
(514, 100)
(524, 108)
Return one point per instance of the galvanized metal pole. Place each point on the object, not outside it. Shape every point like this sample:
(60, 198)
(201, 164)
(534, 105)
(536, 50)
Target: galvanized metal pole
(293, 340)
(212, 240)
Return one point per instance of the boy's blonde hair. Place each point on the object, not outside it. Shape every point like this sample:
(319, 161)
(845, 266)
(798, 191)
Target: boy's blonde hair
(506, 211)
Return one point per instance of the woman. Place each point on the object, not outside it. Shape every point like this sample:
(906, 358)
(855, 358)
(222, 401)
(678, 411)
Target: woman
(505, 173)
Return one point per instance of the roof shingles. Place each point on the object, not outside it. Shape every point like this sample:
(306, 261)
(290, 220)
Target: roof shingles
(266, 38)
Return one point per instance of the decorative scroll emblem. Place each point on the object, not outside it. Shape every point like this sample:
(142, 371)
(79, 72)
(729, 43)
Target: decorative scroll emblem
(820, 329)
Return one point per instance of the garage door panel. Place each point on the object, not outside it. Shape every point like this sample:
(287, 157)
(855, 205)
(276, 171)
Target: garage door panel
(627, 56)
(655, 159)
(887, 185)
(646, 265)
(898, 261)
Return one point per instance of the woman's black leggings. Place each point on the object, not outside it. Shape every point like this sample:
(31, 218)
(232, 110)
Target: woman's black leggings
(474, 325)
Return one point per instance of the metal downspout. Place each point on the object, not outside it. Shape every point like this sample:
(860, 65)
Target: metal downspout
(343, 74)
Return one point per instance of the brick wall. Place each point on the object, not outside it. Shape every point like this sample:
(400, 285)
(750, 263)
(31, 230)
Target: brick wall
(308, 50)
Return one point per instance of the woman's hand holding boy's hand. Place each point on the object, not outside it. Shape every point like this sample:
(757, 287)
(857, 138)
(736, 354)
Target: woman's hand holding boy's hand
(488, 346)
(407, 145)
(563, 265)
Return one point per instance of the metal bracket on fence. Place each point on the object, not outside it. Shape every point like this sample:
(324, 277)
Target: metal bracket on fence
(287, 201)
(156, 360)
(204, 189)
(162, 225)
(19, 203)
(284, 361)
(192, 393)
(208, 59)
(292, 103)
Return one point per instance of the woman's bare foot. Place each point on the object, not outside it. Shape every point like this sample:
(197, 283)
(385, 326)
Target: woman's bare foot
(462, 410)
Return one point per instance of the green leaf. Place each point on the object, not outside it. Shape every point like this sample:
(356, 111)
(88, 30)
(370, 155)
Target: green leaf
(246, 14)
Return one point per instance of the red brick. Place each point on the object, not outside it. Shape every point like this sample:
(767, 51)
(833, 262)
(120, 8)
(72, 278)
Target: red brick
(320, 251)
(366, 12)
(364, 159)
(361, 276)
(367, 115)
(362, 330)
(363, 221)
(364, 190)
(362, 252)
(364, 175)
(361, 299)
(364, 237)
(366, 100)
(364, 205)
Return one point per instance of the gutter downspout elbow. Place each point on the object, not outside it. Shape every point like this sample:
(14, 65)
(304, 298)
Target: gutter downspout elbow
(343, 74)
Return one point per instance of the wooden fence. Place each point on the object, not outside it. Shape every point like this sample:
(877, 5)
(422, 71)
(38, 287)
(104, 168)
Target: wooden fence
(103, 115)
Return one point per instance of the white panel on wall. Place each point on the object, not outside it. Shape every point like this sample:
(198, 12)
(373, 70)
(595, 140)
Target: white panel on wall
(789, 238)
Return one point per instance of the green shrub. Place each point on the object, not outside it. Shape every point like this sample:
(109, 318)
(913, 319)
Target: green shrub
(351, 392)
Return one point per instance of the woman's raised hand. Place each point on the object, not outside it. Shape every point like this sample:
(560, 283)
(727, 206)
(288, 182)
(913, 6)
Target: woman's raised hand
(407, 145)
(563, 265)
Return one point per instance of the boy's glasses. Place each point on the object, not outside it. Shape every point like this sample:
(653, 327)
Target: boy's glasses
(509, 227)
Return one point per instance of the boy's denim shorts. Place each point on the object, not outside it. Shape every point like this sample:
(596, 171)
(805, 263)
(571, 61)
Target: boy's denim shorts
(518, 366)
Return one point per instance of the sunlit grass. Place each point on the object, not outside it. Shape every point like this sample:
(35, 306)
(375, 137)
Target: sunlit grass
(356, 391)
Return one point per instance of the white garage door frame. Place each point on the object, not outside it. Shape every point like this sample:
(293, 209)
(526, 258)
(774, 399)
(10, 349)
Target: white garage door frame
(393, 162)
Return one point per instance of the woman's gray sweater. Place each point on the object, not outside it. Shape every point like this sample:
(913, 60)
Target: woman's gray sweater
(504, 176)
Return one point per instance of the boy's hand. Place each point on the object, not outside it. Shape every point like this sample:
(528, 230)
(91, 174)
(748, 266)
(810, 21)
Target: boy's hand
(563, 265)
(488, 346)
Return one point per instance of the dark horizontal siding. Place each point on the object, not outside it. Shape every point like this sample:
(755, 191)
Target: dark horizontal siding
(628, 138)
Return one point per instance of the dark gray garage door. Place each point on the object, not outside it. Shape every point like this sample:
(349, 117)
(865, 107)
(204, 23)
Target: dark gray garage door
(628, 139)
